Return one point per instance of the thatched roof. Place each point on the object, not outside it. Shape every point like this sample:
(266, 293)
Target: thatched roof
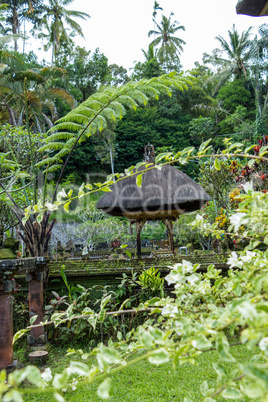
(165, 194)
(254, 8)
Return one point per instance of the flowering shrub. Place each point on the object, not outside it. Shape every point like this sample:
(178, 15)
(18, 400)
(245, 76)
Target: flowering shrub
(207, 309)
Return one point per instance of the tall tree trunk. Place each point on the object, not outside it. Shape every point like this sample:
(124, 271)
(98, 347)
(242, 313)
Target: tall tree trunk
(15, 26)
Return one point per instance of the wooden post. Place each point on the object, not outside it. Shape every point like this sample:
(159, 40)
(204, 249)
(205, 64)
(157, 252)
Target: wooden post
(139, 226)
(169, 226)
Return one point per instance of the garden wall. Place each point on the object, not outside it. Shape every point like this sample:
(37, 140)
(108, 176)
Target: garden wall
(102, 272)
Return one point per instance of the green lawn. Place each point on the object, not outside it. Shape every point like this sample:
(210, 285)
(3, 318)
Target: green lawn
(145, 382)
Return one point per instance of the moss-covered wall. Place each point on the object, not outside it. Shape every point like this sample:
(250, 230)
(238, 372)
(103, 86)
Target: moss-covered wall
(99, 273)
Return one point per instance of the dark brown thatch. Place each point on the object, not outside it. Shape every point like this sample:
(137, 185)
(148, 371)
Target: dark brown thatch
(254, 8)
(165, 194)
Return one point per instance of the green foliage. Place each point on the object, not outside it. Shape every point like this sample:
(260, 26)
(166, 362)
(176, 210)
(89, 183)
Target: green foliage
(201, 129)
(217, 182)
(6, 253)
(234, 94)
(85, 72)
(107, 105)
(151, 282)
(205, 310)
(163, 125)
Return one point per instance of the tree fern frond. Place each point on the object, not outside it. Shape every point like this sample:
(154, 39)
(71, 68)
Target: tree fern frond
(51, 146)
(94, 104)
(59, 135)
(47, 161)
(139, 97)
(54, 168)
(108, 104)
(66, 125)
(110, 114)
(118, 108)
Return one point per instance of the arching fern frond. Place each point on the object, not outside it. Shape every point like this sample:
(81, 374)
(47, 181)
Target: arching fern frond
(52, 146)
(109, 104)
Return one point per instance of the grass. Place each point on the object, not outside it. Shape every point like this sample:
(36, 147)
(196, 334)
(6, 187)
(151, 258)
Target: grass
(147, 383)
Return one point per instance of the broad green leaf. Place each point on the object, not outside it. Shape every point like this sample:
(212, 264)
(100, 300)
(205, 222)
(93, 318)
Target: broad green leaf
(111, 356)
(263, 151)
(162, 156)
(12, 396)
(58, 397)
(235, 145)
(203, 146)
(201, 342)
(259, 371)
(33, 319)
(60, 381)
(222, 346)
(232, 393)
(66, 206)
(103, 390)
(105, 189)
(249, 148)
(159, 356)
(217, 164)
(251, 162)
(33, 375)
(253, 390)
(204, 388)
(139, 180)
(79, 368)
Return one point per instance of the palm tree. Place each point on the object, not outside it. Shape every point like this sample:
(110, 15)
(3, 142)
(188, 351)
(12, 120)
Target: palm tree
(15, 11)
(170, 46)
(32, 92)
(55, 19)
(233, 56)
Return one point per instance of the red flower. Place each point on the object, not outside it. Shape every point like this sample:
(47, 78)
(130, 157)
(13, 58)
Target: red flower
(256, 149)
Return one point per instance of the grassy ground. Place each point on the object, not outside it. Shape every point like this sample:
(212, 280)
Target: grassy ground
(147, 383)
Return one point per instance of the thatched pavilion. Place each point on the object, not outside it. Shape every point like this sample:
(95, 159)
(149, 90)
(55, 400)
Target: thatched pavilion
(164, 195)
(255, 8)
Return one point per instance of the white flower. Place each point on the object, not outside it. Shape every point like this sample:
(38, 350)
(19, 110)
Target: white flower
(233, 261)
(174, 278)
(74, 385)
(238, 219)
(169, 310)
(61, 194)
(247, 187)
(248, 257)
(263, 345)
(187, 266)
(46, 375)
(51, 207)
(192, 279)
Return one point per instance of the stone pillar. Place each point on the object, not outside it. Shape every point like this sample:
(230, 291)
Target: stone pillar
(36, 302)
(7, 286)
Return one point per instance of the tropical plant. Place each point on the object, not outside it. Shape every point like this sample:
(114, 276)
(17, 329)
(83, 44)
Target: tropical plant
(55, 19)
(209, 311)
(92, 115)
(170, 46)
(31, 91)
(232, 58)
(14, 12)
(151, 67)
